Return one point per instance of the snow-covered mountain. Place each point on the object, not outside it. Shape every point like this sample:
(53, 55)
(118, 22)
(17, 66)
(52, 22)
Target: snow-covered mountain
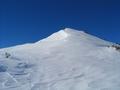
(66, 60)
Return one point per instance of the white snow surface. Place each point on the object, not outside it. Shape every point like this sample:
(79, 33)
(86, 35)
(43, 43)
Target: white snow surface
(66, 60)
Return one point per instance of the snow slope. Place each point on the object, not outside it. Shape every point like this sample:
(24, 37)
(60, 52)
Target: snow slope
(66, 60)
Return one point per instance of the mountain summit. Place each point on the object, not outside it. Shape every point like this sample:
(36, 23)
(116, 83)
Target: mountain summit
(66, 60)
(62, 34)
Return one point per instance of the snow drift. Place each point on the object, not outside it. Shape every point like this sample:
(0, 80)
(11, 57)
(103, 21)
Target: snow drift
(66, 60)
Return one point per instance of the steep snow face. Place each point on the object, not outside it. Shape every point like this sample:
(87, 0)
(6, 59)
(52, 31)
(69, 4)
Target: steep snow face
(66, 60)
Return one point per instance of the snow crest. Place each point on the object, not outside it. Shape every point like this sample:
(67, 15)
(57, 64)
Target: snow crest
(58, 36)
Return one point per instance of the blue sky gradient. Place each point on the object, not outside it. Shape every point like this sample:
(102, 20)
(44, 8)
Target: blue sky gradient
(27, 21)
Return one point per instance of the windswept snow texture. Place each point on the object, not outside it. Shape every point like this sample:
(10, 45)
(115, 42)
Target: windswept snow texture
(67, 60)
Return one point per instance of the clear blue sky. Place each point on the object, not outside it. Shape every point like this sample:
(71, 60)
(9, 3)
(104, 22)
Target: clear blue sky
(23, 21)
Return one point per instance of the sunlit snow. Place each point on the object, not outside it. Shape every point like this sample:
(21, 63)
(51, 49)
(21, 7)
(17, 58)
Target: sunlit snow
(66, 60)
